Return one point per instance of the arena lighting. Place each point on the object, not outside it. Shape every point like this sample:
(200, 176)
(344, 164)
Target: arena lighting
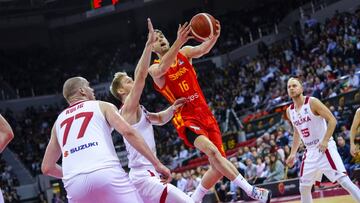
(95, 4)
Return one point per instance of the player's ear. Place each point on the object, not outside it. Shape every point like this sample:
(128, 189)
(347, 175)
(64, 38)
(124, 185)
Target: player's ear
(121, 91)
(82, 91)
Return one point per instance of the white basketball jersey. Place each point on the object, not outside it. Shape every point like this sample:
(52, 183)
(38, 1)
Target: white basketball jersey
(310, 127)
(85, 139)
(145, 128)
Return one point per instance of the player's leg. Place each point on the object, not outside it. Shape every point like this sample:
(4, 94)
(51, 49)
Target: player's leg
(77, 188)
(349, 186)
(209, 179)
(215, 157)
(114, 185)
(174, 195)
(124, 198)
(152, 190)
(310, 172)
(335, 171)
(224, 166)
(305, 193)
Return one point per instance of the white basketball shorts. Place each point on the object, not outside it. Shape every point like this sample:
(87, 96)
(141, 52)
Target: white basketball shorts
(316, 163)
(102, 186)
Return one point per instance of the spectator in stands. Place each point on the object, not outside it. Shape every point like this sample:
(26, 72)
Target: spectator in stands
(254, 154)
(266, 171)
(344, 151)
(174, 179)
(191, 182)
(250, 171)
(184, 153)
(260, 168)
(345, 133)
(10, 196)
(181, 182)
(247, 153)
(41, 198)
(277, 169)
(241, 154)
(56, 198)
(353, 80)
(221, 187)
(281, 139)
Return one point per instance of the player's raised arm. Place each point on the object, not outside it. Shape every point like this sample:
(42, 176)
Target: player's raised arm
(116, 120)
(163, 117)
(131, 102)
(321, 110)
(353, 131)
(6, 133)
(204, 48)
(158, 70)
(52, 154)
(295, 145)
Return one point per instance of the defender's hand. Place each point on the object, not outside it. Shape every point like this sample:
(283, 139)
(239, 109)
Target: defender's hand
(179, 103)
(164, 172)
(151, 35)
(354, 150)
(290, 161)
(323, 146)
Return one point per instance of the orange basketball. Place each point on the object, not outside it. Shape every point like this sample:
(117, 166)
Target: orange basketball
(203, 26)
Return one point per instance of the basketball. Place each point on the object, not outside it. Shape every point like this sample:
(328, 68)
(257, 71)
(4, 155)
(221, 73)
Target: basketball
(203, 26)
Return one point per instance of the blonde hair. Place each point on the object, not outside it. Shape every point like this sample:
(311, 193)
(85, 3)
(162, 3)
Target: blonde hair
(116, 84)
(297, 79)
(72, 85)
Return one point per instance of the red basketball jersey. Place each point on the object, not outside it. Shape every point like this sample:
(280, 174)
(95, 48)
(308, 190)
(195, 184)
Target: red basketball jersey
(181, 81)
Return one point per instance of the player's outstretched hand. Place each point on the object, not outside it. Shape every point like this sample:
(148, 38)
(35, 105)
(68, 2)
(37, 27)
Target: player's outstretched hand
(290, 161)
(151, 35)
(323, 146)
(164, 172)
(354, 150)
(183, 33)
(179, 103)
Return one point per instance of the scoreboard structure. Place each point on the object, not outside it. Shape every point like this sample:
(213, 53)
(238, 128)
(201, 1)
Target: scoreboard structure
(95, 4)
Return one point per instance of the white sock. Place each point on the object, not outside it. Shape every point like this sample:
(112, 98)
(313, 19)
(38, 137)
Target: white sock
(354, 191)
(175, 195)
(199, 193)
(305, 192)
(241, 182)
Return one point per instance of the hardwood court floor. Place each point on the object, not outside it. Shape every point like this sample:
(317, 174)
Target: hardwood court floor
(337, 199)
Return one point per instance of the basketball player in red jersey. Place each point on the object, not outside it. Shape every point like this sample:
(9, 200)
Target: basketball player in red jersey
(91, 170)
(175, 77)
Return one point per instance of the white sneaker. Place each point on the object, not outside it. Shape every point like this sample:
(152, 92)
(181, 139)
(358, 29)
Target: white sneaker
(263, 195)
